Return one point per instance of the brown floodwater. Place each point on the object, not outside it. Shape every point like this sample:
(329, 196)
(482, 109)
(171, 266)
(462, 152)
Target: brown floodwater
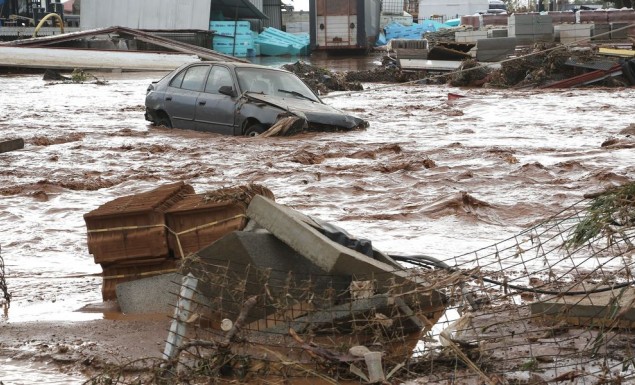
(428, 176)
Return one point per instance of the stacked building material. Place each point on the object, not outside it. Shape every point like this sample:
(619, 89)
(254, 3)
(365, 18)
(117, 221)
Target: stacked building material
(620, 18)
(597, 16)
(619, 30)
(562, 17)
(274, 42)
(469, 36)
(571, 33)
(496, 20)
(600, 31)
(233, 38)
(201, 219)
(473, 21)
(414, 31)
(528, 28)
(494, 33)
(147, 234)
(127, 236)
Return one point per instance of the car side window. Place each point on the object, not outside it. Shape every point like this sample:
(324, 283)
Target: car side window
(218, 77)
(194, 78)
(178, 79)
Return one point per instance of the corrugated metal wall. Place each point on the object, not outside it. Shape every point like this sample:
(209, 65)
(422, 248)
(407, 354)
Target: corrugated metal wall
(257, 3)
(273, 9)
(146, 14)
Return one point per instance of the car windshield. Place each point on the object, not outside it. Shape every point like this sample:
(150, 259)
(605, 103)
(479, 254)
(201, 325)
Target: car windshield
(272, 82)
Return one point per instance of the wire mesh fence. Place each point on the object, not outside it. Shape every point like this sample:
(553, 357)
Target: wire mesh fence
(554, 303)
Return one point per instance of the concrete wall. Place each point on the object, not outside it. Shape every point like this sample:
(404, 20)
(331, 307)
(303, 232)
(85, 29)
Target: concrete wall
(146, 14)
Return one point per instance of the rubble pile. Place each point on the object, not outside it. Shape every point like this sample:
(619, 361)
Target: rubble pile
(472, 74)
(385, 74)
(536, 70)
(445, 35)
(322, 80)
(290, 298)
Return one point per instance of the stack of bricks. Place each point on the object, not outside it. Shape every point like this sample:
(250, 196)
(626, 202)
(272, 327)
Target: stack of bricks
(529, 28)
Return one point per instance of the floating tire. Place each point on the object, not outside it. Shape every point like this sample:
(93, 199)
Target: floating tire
(628, 70)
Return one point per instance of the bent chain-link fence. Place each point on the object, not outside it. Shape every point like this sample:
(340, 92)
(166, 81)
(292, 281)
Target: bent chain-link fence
(554, 303)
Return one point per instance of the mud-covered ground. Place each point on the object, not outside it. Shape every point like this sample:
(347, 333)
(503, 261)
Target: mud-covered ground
(430, 175)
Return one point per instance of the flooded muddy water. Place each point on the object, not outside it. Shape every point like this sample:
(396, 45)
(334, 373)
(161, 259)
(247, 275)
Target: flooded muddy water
(429, 175)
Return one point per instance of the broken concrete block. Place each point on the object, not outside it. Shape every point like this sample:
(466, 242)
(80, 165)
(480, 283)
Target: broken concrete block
(11, 145)
(292, 228)
(243, 264)
(289, 226)
(149, 295)
(614, 308)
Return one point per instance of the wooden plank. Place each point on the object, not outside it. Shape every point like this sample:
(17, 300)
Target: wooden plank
(616, 52)
(11, 145)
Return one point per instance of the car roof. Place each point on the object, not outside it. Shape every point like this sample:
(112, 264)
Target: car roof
(240, 65)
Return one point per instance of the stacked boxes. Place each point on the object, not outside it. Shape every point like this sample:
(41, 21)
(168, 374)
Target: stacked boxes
(495, 49)
(625, 17)
(494, 20)
(471, 20)
(128, 237)
(571, 33)
(561, 17)
(133, 227)
(494, 33)
(598, 16)
(149, 233)
(469, 36)
(600, 31)
(528, 28)
(233, 38)
(409, 49)
(619, 31)
(197, 222)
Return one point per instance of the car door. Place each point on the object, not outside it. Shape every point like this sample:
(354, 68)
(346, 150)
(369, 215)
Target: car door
(182, 94)
(215, 112)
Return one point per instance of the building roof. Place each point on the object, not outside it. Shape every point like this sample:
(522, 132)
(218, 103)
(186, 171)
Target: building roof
(237, 9)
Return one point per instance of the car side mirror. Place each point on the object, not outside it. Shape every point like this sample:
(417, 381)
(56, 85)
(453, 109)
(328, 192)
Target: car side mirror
(227, 90)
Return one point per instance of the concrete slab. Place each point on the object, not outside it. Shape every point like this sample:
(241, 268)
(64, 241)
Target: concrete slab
(609, 308)
(290, 227)
(333, 258)
(149, 295)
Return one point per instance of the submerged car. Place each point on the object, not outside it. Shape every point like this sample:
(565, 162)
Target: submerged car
(239, 99)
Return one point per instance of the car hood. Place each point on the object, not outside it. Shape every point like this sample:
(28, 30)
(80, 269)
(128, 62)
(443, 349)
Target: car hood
(313, 112)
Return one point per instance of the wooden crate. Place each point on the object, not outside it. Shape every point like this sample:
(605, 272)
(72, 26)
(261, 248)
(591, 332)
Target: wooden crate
(133, 227)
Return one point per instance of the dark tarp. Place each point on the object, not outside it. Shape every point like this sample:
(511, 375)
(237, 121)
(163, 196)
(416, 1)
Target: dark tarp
(237, 9)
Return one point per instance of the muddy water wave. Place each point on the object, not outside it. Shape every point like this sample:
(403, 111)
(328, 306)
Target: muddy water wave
(429, 176)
